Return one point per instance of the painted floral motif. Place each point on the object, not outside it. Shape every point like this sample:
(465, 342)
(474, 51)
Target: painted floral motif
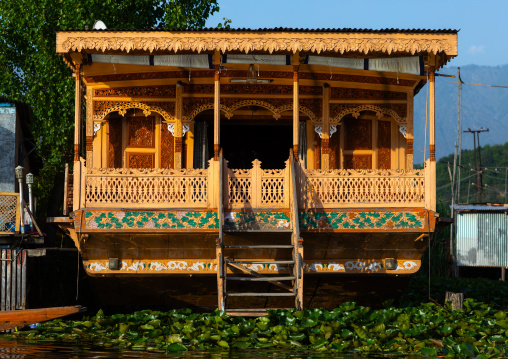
(362, 220)
(406, 265)
(111, 220)
(198, 266)
(250, 220)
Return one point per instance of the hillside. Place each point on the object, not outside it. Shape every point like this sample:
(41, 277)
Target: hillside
(495, 174)
(482, 107)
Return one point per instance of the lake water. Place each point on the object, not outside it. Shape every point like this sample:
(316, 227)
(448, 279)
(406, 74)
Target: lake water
(11, 349)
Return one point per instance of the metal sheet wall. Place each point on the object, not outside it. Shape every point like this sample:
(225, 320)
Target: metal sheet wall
(13, 279)
(482, 239)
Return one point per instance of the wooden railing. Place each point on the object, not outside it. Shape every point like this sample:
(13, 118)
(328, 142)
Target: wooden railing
(361, 188)
(146, 188)
(246, 189)
(256, 187)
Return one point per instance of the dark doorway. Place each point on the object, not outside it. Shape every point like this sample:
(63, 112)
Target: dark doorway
(266, 141)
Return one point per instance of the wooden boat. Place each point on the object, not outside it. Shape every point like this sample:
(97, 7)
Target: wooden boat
(11, 319)
(186, 193)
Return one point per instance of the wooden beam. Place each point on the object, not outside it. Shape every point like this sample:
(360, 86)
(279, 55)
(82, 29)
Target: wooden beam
(325, 131)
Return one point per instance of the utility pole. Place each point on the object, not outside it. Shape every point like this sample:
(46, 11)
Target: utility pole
(477, 165)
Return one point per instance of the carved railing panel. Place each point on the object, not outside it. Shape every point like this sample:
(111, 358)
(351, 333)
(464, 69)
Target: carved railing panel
(362, 188)
(256, 187)
(146, 188)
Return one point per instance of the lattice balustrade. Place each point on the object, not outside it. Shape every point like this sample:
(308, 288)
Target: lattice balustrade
(362, 188)
(257, 188)
(9, 212)
(145, 188)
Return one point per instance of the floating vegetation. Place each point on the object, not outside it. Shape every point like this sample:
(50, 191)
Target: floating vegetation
(477, 330)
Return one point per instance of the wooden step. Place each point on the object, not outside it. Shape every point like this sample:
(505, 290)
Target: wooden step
(264, 279)
(260, 294)
(288, 246)
(259, 262)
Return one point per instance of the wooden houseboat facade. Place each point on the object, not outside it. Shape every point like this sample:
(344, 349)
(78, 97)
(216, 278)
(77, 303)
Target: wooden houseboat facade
(249, 169)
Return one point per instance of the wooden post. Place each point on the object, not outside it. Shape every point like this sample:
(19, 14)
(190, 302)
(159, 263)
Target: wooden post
(216, 115)
(256, 174)
(409, 131)
(456, 298)
(296, 111)
(189, 143)
(432, 137)
(77, 60)
(325, 134)
(178, 126)
(89, 127)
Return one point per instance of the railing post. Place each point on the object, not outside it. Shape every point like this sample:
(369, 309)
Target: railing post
(76, 193)
(83, 182)
(256, 194)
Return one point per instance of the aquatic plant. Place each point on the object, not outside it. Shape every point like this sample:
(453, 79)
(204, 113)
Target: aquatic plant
(477, 330)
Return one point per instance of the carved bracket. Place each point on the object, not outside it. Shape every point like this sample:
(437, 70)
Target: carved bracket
(96, 128)
(171, 128)
(402, 130)
(319, 130)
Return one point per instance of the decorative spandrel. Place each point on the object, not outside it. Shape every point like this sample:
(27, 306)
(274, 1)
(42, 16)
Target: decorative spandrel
(141, 131)
(384, 141)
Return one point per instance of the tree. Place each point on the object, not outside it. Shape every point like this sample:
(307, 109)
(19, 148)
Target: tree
(32, 72)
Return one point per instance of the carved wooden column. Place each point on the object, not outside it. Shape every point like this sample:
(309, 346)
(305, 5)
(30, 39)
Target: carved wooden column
(409, 131)
(216, 115)
(432, 136)
(77, 60)
(296, 111)
(89, 127)
(325, 136)
(178, 126)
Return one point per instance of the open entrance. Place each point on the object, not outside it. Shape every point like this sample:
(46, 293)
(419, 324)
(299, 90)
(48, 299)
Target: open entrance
(243, 139)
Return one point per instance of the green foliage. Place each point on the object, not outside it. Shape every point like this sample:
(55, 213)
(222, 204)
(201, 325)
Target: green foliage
(477, 330)
(32, 72)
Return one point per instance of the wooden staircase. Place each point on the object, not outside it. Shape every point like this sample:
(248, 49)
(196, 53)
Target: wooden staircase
(239, 264)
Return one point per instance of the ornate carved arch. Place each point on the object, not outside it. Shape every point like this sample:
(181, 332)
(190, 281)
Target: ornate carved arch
(260, 103)
(355, 111)
(303, 109)
(124, 106)
(206, 106)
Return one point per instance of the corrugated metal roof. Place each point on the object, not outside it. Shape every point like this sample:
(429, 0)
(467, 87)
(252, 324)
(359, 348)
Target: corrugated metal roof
(480, 207)
(284, 29)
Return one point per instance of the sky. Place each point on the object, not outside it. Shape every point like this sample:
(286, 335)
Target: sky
(483, 24)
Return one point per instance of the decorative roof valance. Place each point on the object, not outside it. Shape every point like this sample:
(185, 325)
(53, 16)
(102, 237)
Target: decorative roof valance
(268, 42)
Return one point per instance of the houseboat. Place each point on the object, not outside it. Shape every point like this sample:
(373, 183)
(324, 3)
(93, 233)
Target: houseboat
(245, 169)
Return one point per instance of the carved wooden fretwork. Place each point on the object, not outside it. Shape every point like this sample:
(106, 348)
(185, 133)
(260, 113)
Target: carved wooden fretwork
(167, 147)
(291, 42)
(384, 140)
(145, 91)
(120, 187)
(228, 106)
(343, 93)
(356, 110)
(259, 89)
(323, 76)
(336, 188)
(103, 108)
(140, 160)
(115, 143)
(141, 132)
